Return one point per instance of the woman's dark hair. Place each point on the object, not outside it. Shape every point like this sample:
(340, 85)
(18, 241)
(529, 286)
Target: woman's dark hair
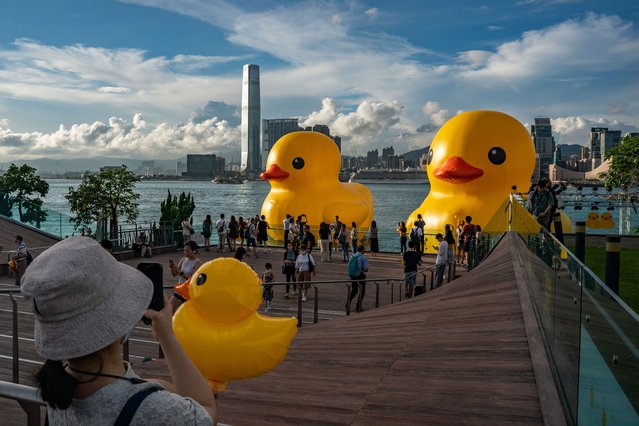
(56, 385)
(193, 246)
(208, 218)
(373, 224)
(354, 224)
(240, 253)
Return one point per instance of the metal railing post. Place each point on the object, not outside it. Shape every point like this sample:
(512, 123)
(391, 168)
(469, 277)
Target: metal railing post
(316, 305)
(376, 294)
(300, 293)
(392, 286)
(432, 280)
(16, 350)
(348, 297)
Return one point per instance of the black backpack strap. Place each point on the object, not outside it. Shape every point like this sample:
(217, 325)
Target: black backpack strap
(131, 406)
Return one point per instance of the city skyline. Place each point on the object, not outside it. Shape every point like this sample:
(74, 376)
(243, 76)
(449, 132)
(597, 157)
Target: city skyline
(152, 78)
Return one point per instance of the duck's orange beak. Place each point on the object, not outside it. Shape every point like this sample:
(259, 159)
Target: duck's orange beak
(274, 173)
(456, 170)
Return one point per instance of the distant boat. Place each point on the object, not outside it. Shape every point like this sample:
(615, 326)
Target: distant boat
(229, 179)
(410, 175)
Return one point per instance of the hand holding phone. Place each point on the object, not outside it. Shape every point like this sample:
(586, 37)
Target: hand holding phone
(154, 272)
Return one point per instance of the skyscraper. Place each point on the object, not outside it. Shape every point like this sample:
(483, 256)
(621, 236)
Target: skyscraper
(541, 133)
(250, 129)
(274, 129)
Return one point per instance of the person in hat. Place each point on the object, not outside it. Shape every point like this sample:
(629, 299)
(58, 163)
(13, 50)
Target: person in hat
(85, 305)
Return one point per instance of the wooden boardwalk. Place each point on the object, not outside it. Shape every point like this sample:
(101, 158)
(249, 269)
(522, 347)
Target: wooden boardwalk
(463, 354)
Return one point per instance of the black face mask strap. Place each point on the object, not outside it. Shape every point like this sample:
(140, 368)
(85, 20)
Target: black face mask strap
(133, 380)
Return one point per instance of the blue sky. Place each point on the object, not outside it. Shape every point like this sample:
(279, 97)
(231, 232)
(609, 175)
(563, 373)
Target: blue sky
(160, 78)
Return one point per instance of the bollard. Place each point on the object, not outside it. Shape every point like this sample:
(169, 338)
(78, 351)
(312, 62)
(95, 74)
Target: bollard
(559, 228)
(580, 241)
(613, 257)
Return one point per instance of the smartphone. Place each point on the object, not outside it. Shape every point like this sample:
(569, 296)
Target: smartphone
(155, 273)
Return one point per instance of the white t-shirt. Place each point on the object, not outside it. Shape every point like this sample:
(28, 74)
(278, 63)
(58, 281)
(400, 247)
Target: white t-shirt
(220, 225)
(442, 253)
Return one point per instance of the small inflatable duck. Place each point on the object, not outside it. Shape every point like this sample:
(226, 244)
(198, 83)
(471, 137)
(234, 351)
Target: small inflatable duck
(605, 221)
(593, 220)
(303, 170)
(220, 329)
(473, 163)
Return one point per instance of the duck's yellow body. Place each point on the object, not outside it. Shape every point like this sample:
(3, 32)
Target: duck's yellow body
(220, 329)
(303, 170)
(475, 160)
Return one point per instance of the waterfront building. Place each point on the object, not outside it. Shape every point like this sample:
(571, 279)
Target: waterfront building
(250, 126)
(601, 140)
(372, 158)
(338, 142)
(203, 165)
(273, 130)
(541, 133)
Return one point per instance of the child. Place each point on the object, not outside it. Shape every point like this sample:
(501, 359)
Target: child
(267, 290)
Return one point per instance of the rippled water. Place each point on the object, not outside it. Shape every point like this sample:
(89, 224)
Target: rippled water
(393, 202)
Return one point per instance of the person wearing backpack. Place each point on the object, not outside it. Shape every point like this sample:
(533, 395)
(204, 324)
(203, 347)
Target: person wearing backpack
(420, 224)
(357, 265)
(416, 236)
(304, 267)
(221, 232)
(468, 232)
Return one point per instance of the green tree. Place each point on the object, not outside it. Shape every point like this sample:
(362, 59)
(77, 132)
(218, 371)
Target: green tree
(624, 164)
(6, 205)
(25, 188)
(110, 193)
(174, 209)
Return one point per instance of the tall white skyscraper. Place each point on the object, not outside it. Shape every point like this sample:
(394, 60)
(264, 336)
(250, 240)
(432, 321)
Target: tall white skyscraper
(250, 139)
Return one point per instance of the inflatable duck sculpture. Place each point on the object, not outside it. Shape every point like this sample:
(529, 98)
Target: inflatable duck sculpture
(303, 170)
(473, 163)
(220, 329)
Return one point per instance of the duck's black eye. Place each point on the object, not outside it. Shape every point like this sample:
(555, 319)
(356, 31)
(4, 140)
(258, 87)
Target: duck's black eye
(201, 279)
(430, 157)
(298, 162)
(496, 155)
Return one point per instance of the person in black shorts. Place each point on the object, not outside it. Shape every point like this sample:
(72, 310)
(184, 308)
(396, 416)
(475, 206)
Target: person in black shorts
(262, 235)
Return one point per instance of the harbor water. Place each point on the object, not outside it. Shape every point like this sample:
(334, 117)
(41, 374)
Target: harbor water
(393, 203)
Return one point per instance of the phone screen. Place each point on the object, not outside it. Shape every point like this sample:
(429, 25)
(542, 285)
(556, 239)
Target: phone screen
(155, 273)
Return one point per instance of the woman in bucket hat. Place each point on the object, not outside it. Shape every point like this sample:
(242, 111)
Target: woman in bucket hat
(85, 305)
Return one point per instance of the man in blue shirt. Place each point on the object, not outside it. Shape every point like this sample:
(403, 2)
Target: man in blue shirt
(358, 280)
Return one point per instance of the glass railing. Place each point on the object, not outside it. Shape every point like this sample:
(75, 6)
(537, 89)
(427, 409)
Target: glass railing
(51, 221)
(591, 335)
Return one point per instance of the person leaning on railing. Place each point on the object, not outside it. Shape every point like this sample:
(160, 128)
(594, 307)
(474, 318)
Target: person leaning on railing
(85, 305)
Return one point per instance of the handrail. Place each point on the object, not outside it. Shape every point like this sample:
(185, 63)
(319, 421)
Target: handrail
(27, 396)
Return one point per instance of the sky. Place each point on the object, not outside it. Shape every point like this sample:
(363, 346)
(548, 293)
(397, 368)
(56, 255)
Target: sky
(162, 78)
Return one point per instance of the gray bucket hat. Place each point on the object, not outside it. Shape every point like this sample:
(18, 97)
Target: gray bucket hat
(83, 299)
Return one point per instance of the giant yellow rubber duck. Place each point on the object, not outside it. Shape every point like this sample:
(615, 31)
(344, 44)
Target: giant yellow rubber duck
(303, 170)
(474, 161)
(220, 329)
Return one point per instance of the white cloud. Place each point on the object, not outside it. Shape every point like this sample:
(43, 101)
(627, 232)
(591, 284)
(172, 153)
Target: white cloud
(595, 43)
(109, 89)
(575, 129)
(118, 137)
(436, 114)
(4, 122)
(373, 12)
(361, 126)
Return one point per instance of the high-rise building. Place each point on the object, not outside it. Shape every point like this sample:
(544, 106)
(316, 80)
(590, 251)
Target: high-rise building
(601, 140)
(203, 165)
(541, 133)
(250, 127)
(273, 130)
